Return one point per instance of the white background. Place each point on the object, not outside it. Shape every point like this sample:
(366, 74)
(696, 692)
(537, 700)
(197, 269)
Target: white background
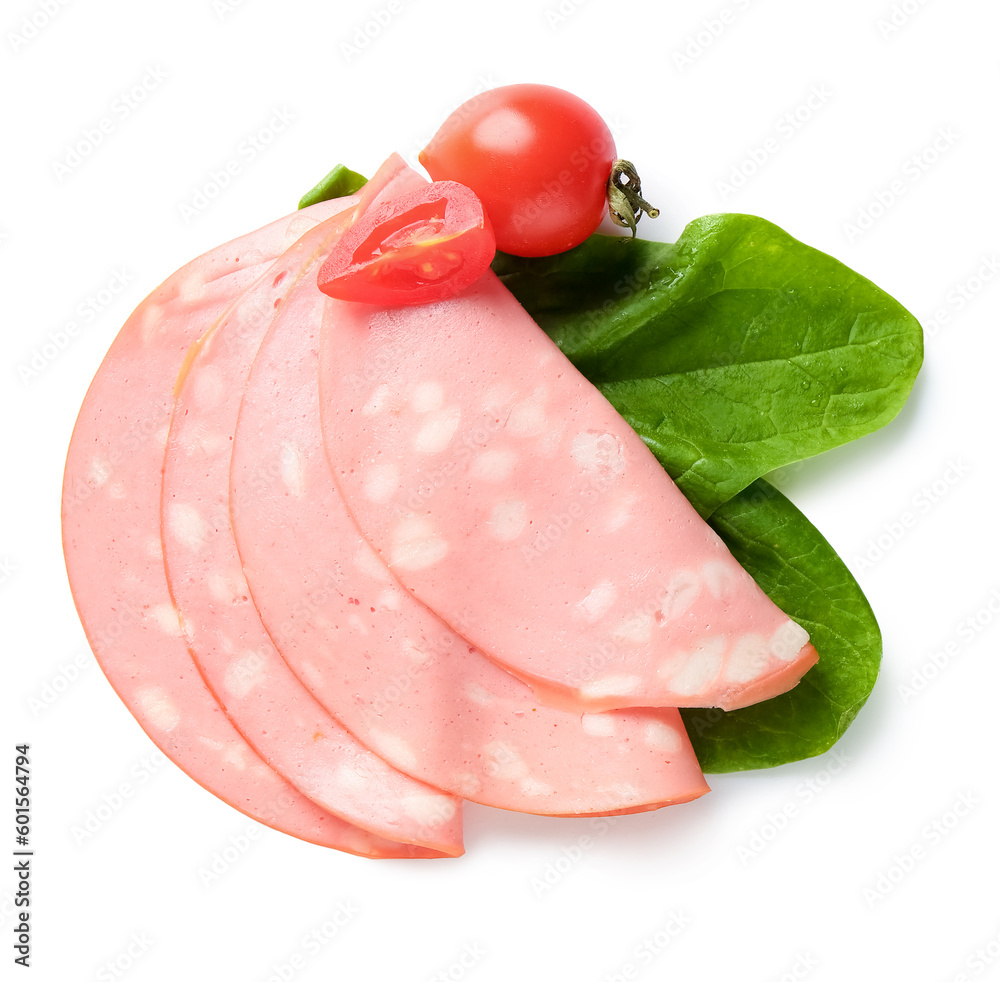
(903, 93)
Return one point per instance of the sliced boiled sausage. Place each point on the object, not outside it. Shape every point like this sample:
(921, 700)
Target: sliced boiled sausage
(270, 707)
(396, 676)
(508, 495)
(113, 550)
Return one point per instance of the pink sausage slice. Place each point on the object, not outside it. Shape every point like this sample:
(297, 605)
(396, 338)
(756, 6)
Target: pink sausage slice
(506, 493)
(113, 551)
(270, 707)
(381, 662)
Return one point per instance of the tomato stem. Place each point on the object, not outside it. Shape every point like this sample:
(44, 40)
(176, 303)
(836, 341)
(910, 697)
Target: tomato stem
(625, 201)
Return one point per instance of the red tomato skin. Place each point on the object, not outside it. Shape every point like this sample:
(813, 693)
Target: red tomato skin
(421, 247)
(539, 159)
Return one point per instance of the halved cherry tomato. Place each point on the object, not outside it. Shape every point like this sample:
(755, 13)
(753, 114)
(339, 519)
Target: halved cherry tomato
(423, 246)
(538, 157)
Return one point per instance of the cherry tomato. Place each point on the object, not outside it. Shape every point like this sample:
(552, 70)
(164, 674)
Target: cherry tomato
(538, 157)
(420, 247)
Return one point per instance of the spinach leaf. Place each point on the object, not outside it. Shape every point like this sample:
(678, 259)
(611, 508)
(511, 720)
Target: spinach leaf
(339, 182)
(800, 571)
(732, 352)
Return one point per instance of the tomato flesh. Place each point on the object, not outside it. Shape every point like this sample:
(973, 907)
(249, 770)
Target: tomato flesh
(421, 247)
(538, 157)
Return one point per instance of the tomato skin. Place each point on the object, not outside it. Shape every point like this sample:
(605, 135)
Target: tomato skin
(420, 247)
(539, 159)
